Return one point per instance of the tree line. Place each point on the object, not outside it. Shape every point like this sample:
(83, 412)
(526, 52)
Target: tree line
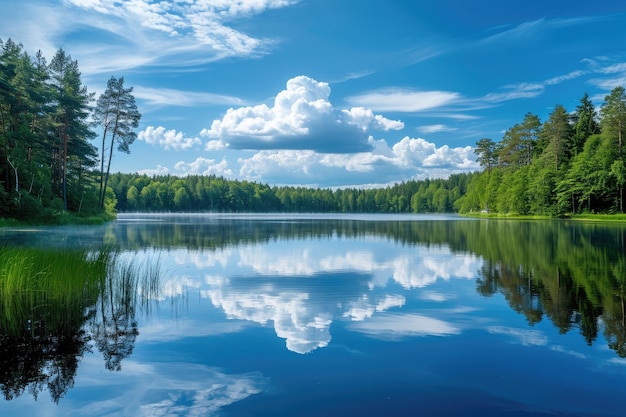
(570, 163)
(135, 192)
(48, 165)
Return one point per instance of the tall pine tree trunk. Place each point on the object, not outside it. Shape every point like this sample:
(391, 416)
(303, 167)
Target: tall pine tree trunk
(106, 177)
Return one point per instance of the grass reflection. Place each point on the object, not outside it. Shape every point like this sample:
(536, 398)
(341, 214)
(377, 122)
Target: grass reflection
(56, 304)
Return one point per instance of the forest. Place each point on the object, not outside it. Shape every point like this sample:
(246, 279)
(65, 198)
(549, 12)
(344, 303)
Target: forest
(134, 192)
(50, 171)
(571, 163)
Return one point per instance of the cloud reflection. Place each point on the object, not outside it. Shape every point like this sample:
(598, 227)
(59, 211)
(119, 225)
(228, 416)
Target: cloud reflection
(396, 326)
(167, 389)
(526, 337)
(301, 290)
(303, 325)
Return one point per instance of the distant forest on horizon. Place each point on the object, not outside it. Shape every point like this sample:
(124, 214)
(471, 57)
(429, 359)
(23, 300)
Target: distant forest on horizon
(571, 163)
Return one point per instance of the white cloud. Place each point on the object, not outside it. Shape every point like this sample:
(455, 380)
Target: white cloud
(409, 158)
(167, 139)
(609, 83)
(561, 78)
(513, 92)
(159, 170)
(390, 301)
(419, 152)
(401, 100)
(438, 128)
(215, 145)
(365, 119)
(204, 166)
(532, 29)
(301, 118)
(171, 97)
(196, 21)
(131, 34)
(611, 74)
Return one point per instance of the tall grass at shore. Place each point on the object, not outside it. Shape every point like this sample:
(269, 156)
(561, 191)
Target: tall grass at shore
(52, 288)
(44, 287)
(55, 302)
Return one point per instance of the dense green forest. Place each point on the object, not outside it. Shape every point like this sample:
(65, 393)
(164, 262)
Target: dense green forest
(570, 163)
(136, 192)
(573, 162)
(49, 168)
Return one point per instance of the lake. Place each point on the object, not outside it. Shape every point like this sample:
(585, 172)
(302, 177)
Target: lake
(309, 315)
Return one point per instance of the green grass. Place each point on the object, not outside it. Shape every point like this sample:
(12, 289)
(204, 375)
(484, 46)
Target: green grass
(47, 286)
(51, 290)
(513, 216)
(599, 217)
(510, 216)
(60, 219)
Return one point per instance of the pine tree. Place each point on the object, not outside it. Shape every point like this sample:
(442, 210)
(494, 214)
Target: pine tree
(613, 113)
(72, 101)
(116, 112)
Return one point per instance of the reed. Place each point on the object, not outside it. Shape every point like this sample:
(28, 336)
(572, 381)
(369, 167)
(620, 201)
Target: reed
(44, 287)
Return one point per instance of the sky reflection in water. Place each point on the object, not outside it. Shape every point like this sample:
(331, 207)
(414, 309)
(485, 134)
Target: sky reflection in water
(334, 325)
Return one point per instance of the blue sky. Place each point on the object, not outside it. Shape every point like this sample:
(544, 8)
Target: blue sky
(329, 93)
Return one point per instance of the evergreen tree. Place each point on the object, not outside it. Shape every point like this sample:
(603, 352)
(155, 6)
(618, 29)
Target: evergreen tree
(72, 108)
(487, 153)
(585, 124)
(556, 135)
(613, 115)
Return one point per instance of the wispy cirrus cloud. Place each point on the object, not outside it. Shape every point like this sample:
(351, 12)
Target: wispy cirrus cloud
(610, 72)
(525, 30)
(404, 100)
(172, 97)
(514, 92)
(437, 128)
(197, 21)
(123, 35)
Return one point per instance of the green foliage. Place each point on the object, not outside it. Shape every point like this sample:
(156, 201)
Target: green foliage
(567, 165)
(45, 153)
(136, 192)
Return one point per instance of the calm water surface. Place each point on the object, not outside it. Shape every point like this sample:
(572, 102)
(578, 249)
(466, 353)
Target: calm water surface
(304, 315)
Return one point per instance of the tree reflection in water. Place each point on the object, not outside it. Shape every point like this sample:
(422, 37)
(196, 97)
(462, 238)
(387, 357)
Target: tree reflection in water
(54, 303)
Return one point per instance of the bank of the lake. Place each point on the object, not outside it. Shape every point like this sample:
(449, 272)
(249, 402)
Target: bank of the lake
(614, 218)
(59, 220)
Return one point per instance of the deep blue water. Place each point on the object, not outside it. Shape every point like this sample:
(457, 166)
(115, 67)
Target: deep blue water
(340, 315)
